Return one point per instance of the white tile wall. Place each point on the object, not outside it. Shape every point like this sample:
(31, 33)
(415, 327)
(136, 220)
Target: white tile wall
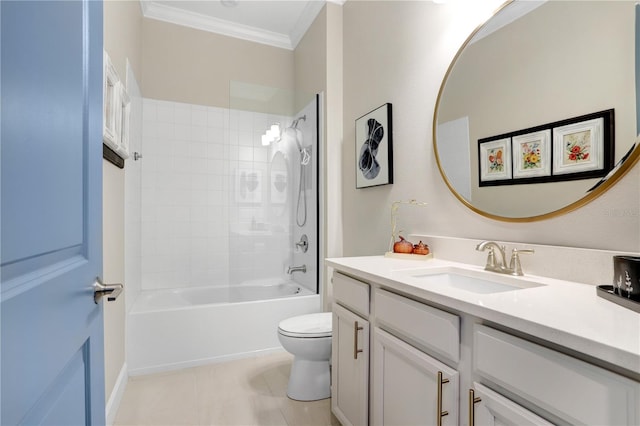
(200, 223)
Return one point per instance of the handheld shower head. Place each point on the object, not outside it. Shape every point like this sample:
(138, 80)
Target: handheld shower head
(296, 134)
(305, 156)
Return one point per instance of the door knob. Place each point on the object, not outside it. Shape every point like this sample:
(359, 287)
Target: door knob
(112, 291)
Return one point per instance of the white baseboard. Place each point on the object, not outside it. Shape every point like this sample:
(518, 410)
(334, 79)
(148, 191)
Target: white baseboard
(199, 362)
(115, 398)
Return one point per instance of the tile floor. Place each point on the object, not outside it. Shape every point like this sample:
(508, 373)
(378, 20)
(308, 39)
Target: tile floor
(246, 392)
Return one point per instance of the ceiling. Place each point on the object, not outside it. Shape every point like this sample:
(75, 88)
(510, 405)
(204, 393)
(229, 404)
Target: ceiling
(274, 22)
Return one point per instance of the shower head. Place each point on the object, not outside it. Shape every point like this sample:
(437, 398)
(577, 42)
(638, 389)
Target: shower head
(294, 125)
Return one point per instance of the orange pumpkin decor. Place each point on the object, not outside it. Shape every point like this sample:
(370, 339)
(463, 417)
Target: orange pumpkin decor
(420, 248)
(402, 246)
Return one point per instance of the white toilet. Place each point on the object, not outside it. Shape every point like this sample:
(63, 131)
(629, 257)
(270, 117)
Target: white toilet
(308, 339)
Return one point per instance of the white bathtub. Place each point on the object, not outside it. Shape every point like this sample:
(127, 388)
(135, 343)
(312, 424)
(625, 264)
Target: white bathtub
(178, 328)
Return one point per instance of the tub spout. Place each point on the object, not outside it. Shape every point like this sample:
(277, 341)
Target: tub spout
(292, 269)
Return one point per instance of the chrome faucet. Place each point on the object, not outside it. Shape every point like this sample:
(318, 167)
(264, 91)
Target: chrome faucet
(292, 269)
(491, 258)
(514, 268)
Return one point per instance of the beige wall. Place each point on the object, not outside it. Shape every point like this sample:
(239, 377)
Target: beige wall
(183, 64)
(310, 58)
(398, 52)
(333, 143)
(122, 41)
(123, 34)
(334, 135)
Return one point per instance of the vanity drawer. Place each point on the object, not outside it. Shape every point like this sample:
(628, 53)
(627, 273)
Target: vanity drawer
(351, 293)
(423, 326)
(577, 392)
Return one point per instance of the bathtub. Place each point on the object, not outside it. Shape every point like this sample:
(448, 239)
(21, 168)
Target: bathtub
(179, 328)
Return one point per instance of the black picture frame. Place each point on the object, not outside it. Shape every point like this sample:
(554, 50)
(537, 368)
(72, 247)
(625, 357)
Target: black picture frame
(558, 129)
(374, 148)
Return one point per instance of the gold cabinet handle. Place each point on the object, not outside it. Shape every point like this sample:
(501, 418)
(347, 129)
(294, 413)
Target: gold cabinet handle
(356, 351)
(472, 411)
(440, 413)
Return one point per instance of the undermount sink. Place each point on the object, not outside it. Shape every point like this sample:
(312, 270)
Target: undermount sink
(485, 285)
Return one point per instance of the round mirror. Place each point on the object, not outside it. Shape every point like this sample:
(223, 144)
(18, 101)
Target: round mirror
(537, 113)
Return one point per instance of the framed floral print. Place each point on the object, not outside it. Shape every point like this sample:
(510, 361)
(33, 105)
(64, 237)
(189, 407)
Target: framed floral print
(579, 147)
(494, 160)
(532, 154)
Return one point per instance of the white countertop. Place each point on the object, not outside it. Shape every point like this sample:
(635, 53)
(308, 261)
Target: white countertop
(567, 313)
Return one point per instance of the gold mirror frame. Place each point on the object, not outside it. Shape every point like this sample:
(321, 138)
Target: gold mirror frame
(618, 172)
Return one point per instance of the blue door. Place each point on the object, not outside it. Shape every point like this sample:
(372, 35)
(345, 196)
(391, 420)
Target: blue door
(52, 366)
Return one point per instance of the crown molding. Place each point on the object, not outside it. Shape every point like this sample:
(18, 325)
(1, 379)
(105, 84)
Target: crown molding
(160, 12)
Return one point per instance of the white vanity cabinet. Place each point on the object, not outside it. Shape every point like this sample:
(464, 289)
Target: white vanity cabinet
(350, 351)
(432, 363)
(409, 387)
(489, 408)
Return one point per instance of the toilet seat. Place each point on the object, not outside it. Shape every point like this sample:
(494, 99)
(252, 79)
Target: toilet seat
(308, 326)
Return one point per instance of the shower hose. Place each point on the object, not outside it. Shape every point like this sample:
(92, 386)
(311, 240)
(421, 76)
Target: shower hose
(302, 199)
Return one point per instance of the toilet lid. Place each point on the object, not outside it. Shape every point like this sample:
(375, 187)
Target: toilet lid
(311, 325)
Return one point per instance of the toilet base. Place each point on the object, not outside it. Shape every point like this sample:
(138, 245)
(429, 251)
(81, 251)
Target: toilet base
(309, 380)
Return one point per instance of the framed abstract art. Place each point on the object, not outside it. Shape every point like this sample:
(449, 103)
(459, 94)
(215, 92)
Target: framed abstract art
(374, 154)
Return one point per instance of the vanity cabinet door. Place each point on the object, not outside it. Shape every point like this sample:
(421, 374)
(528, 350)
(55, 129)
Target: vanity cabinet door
(573, 390)
(409, 387)
(488, 408)
(350, 367)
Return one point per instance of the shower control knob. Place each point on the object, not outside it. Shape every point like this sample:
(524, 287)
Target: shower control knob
(303, 244)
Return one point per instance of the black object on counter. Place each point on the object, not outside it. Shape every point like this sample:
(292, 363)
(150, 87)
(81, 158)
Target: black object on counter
(626, 277)
(607, 292)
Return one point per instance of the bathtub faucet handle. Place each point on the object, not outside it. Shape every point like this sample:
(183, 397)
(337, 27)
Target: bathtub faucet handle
(303, 244)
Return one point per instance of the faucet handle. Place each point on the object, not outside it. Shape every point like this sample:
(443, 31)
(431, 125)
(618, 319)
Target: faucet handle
(491, 259)
(514, 264)
(303, 244)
